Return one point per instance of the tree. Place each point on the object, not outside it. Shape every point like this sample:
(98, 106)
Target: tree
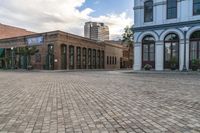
(128, 36)
(127, 39)
(28, 52)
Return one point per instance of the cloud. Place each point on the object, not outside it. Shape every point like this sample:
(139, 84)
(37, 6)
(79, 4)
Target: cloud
(96, 2)
(49, 15)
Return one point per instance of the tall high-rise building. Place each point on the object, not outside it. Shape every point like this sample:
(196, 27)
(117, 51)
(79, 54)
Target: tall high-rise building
(96, 31)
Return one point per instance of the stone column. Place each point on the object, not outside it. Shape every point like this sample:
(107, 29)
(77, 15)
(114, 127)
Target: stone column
(159, 56)
(187, 53)
(181, 54)
(137, 56)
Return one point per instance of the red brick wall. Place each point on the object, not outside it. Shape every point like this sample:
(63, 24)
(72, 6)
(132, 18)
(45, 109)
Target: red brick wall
(7, 31)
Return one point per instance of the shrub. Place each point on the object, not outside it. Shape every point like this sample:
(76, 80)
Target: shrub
(147, 67)
(173, 63)
(195, 64)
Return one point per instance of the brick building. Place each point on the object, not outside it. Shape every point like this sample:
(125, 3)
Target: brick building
(7, 31)
(59, 50)
(127, 57)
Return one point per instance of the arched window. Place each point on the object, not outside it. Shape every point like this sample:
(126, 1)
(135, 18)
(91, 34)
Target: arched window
(94, 63)
(171, 50)
(195, 35)
(63, 56)
(195, 46)
(196, 7)
(148, 51)
(98, 59)
(84, 59)
(78, 58)
(171, 9)
(71, 57)
(90, 58)
(102, 59)
(148, 11)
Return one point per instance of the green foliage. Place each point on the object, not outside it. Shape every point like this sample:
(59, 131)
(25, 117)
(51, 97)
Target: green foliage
(128, 36)
(195, 62)
(27, 51)
(147, 67)
(173, 61)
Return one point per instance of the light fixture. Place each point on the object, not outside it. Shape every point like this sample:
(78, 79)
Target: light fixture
(185, 28)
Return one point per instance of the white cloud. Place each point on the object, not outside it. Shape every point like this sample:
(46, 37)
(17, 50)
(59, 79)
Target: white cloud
(48, 15)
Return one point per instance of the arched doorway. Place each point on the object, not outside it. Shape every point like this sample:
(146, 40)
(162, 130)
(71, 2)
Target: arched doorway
(63, 56)
(194, 46)
(148, 51)
(171, 50)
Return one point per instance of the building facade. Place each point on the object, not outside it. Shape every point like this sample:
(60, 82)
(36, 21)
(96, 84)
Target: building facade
(127, 60)
(166, 30)
(59, 51)
(96, 31)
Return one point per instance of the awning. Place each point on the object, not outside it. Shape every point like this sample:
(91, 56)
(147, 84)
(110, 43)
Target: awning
(1, 52)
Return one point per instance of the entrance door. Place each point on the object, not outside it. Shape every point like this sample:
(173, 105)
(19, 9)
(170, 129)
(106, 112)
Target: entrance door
(194, 47)
(23, 62)
(171, 51)
(148, 51)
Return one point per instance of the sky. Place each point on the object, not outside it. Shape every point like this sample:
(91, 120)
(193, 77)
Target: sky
(67, 15)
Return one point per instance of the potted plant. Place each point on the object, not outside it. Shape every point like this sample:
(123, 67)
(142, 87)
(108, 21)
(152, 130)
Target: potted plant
(173, 63)
(147, 67)
(195, 64)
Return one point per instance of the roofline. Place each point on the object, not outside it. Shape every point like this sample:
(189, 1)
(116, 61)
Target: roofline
(56, 32)
(11, 26)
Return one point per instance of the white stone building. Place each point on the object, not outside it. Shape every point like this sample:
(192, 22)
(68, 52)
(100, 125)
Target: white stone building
(166, 30)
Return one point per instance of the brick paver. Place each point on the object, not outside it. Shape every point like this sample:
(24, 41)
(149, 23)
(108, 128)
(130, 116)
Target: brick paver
(99, 102)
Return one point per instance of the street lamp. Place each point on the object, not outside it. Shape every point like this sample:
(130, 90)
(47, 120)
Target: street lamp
(12, 60)
(185, 29)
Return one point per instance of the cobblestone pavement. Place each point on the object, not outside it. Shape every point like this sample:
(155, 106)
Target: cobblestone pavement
(99, 102)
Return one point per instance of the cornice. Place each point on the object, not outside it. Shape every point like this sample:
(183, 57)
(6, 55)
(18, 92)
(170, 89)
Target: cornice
(155, 4)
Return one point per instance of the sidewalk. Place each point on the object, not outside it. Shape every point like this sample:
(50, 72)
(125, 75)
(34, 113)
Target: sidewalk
(166, 72)
(73, 70)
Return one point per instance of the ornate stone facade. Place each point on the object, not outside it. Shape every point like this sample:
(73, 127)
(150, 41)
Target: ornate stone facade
(167, 34)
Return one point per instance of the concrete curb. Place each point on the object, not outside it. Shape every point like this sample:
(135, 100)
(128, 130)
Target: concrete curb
(165, 72)
(59, 71)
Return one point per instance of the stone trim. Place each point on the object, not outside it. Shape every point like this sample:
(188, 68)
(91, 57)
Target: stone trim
(163, 26)
(155, 4)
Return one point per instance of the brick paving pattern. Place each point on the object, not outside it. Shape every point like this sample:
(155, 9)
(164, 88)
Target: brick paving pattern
(99, 102)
